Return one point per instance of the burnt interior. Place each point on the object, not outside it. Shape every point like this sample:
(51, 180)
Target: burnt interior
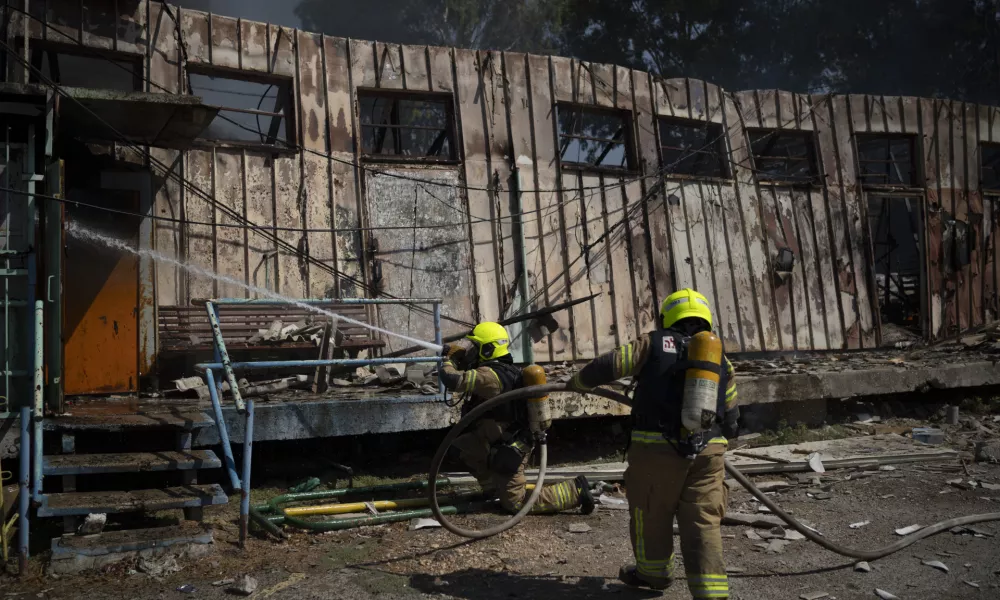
(895, 224)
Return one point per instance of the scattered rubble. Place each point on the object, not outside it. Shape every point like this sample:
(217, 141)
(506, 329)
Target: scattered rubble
(158, 567)
(863, 567)
(859, 524)
(884, 595)
(988, 452)
(579, 528)
(245, 586)
(816, 463)
(93, 524)
(419, 523)
(909, 530)
(936, 564)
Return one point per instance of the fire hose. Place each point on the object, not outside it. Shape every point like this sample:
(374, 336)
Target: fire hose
(540, 391)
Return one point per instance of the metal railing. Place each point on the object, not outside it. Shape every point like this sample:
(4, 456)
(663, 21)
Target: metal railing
(223, 363)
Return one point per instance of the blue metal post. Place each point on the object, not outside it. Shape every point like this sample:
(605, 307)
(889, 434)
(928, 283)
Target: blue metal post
(220, 424)
(25, 498)
(38, 410)
(222, 355)
(245, 490)
(437, 340)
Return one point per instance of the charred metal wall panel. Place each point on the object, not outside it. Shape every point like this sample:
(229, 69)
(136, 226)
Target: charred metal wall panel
(620, 235)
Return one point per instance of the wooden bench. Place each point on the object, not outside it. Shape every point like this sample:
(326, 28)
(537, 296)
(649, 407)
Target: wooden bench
(186, 329)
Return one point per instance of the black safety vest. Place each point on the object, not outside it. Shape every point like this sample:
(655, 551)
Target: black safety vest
(659, 393)
(510, 379)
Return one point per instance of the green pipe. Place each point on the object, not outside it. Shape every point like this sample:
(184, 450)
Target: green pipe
(268, 524)
(272, 504)
(263, 514)
(339, 524)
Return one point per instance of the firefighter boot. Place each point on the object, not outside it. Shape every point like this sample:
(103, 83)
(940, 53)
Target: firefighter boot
(587, 503)
(630, 577)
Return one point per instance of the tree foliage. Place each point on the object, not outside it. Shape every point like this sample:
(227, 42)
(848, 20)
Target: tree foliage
(908, 47)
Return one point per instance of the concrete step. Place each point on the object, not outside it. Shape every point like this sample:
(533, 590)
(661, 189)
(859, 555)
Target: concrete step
(113, 422)
(75, 553)
(130, 462)
(84, 503)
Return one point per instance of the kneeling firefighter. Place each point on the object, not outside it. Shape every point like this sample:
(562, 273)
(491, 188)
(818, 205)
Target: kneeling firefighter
(499, 445)
(683, 411)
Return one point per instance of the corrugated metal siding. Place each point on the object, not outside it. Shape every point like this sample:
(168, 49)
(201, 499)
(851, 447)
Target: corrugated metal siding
(616, 235)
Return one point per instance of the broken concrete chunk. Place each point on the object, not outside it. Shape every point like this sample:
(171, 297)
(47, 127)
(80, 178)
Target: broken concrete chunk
(752, 535)
(424, 523)
(908, 530)
(222, 582)
(936, 564)
(971, 584)
(989, 486)
(188, 383)
(158, 567)
(245, 586)
(387, 375)
(863, 567)
(815, 463)
(960, 484)
(988, 452)
(814, 595)
(579, 528)
(776, 546)
(884, 595)
(794, 536)
(859, 524)
(93, 524)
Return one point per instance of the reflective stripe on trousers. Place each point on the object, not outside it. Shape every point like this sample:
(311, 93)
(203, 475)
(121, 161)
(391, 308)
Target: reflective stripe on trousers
(662, 485)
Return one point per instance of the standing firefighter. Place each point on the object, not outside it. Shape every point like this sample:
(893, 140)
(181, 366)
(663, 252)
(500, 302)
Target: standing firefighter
(498, 447)
(683, 410)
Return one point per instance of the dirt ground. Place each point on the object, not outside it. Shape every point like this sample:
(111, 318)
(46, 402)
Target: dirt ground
(542, 559)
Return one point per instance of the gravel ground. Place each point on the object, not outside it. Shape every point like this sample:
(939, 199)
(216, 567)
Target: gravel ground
(541, 559)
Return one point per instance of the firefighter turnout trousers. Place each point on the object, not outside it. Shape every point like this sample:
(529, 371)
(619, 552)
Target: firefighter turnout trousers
(474, 452)
(661, 484)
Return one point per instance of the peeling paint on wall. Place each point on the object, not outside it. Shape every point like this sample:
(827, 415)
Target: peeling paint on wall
(620, 235)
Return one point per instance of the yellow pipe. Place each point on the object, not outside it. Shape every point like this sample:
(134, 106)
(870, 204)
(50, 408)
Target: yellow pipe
(353, 507)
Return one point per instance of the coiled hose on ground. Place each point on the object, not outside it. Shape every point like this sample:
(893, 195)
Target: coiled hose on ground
(541, 390)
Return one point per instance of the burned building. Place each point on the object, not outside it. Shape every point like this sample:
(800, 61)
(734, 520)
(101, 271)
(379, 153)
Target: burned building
(318, 167)
(155, 157)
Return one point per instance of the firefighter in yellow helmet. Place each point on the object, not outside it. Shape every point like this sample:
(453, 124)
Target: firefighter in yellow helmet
(497, 447)
(672, 472)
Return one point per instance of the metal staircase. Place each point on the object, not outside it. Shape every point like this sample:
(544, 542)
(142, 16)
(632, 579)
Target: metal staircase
(79, 483)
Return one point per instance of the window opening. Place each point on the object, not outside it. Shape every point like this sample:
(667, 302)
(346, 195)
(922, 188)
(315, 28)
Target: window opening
(595, 138)
(250, 111)
(694, 148)
(895, 225)
(886, 160)
(84, 69)
(783, 156)
(406, 126)
(989, 166)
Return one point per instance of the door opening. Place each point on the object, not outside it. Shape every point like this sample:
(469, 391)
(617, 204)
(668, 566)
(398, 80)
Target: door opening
(101, 296)
(896, 226)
